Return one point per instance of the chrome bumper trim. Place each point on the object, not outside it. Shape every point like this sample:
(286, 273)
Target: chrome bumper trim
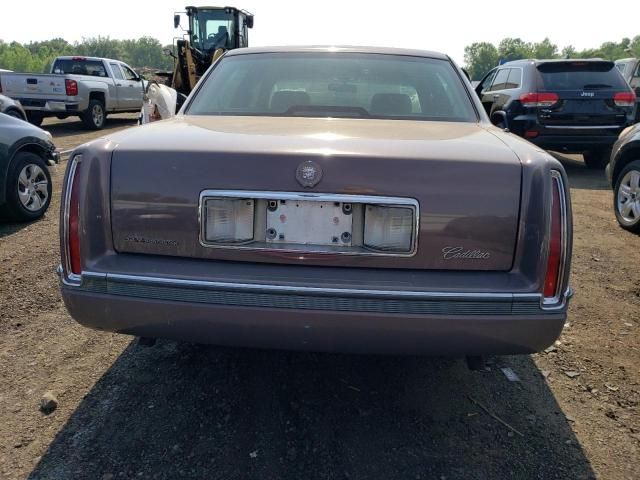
(313, 298)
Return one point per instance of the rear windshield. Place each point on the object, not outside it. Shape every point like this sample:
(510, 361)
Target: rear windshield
(95, 68)
(580, 76)
(334, 85)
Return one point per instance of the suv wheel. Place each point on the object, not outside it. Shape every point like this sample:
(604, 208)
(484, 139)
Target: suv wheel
(28, 188)
(35, 118)
(626, 197)
(95, 115)
(596, 158)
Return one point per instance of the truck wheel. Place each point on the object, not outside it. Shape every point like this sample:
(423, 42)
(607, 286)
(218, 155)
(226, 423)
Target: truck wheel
(597, 158)
(626, 197)
(35, 118)
(28, 188)
(94, 117)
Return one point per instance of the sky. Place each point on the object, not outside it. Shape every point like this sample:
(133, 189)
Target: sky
(446, 25)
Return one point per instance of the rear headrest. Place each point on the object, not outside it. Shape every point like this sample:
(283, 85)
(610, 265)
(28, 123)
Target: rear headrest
(285, 99)
(391, 104)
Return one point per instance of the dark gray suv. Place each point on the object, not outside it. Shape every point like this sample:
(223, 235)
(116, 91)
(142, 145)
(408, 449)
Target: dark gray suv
(572, 106)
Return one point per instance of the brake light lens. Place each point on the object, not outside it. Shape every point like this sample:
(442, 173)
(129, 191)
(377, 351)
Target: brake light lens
(73, 219)
(71, 87)
(229, 220)
(389, 229)
(624, 99)
(532, 99)
(557, 241)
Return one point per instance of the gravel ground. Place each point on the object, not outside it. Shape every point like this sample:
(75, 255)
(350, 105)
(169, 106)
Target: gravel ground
(186, 411)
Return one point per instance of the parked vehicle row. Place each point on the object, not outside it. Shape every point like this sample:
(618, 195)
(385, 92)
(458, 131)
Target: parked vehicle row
(87, 87)
(572, 106)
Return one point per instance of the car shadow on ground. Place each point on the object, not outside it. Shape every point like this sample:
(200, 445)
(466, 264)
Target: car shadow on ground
(69, 127)
(579, 175)
(186, 411)
(7, 228)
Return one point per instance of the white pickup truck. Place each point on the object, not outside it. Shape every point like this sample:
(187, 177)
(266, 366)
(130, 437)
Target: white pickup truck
(88, 87)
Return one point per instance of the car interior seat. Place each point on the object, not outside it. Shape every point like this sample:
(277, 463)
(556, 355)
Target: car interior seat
(391, 104)
(283, 100)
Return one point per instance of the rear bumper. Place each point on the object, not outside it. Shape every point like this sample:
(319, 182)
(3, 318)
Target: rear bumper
(51, 106)
(575, 143)
(301, 318)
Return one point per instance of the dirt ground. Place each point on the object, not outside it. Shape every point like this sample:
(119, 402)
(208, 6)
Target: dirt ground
(186, 411)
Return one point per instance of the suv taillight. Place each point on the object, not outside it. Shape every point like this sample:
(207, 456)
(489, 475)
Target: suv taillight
(538, 99)
(71, 86)
(71, 222)
(556, 258)
(624, 99)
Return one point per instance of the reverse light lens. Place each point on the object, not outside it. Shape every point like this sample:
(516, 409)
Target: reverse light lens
(388, 228)
(538, 99)
(73, 225)
(624, 99)
(553, 278)
(229, 220)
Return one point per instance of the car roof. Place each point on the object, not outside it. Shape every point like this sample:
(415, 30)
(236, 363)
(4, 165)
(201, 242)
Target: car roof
(341, 49)
(84, 57)
(536, 61)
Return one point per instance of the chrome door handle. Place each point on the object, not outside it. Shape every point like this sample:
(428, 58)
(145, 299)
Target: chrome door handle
(118, 84)
(496, 96)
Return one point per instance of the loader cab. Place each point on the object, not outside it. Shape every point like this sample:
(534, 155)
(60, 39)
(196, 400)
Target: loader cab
(211, 28)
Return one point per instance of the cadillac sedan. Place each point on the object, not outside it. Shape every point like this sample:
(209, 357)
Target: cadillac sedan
(333, 199)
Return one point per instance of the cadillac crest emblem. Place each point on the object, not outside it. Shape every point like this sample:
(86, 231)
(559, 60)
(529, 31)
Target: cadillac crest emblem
(308, 174)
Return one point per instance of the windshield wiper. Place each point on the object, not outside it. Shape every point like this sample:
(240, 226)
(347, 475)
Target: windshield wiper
(340, 110)
(596, 86)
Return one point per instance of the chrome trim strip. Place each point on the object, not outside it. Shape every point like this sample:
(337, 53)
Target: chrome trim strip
(559, 299)
(586, 127)
(258, 287)
(310, 196)
(315, 298)
(68, 278)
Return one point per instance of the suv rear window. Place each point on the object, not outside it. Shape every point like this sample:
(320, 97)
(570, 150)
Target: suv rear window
(580, 76)
(354, 85)
(94, 68)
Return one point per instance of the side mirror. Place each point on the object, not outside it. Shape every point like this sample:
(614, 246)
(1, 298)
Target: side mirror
(249, 21)
(176, 21)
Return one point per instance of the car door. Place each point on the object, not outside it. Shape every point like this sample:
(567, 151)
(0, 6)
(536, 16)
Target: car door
(120, 88)
(495, 98)
(132, 89)
(483, 87)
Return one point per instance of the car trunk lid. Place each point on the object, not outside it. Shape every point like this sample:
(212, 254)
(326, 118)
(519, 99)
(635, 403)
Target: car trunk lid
(465, 181)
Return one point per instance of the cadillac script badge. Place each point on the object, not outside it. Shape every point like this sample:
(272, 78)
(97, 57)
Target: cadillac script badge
(308, 174)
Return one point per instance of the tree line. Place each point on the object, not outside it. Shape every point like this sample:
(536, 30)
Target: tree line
(480, 57)
(36, 57)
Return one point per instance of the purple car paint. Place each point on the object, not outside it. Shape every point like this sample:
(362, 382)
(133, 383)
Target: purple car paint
(417, 226)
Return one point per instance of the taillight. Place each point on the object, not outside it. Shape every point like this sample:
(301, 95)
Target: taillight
(557, 241)
(624, 99)
(538, 99)
(71, 86)
(71, 219)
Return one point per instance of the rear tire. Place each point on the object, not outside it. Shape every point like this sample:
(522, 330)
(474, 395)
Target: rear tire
(95, 115)
(15, 114)
(626, 197)
(597, 158)
(29, 188)
(35, 118)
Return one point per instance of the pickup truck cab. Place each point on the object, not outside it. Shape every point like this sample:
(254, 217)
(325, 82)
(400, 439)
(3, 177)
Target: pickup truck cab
(87, 87)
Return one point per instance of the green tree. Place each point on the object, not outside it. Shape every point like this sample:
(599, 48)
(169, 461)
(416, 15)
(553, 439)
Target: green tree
(514, 49)
(544, 49)
(479, 58)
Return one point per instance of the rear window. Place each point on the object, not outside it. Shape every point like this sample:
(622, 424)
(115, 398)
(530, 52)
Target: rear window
(580, 76)
(94, 68)
(334, 85)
